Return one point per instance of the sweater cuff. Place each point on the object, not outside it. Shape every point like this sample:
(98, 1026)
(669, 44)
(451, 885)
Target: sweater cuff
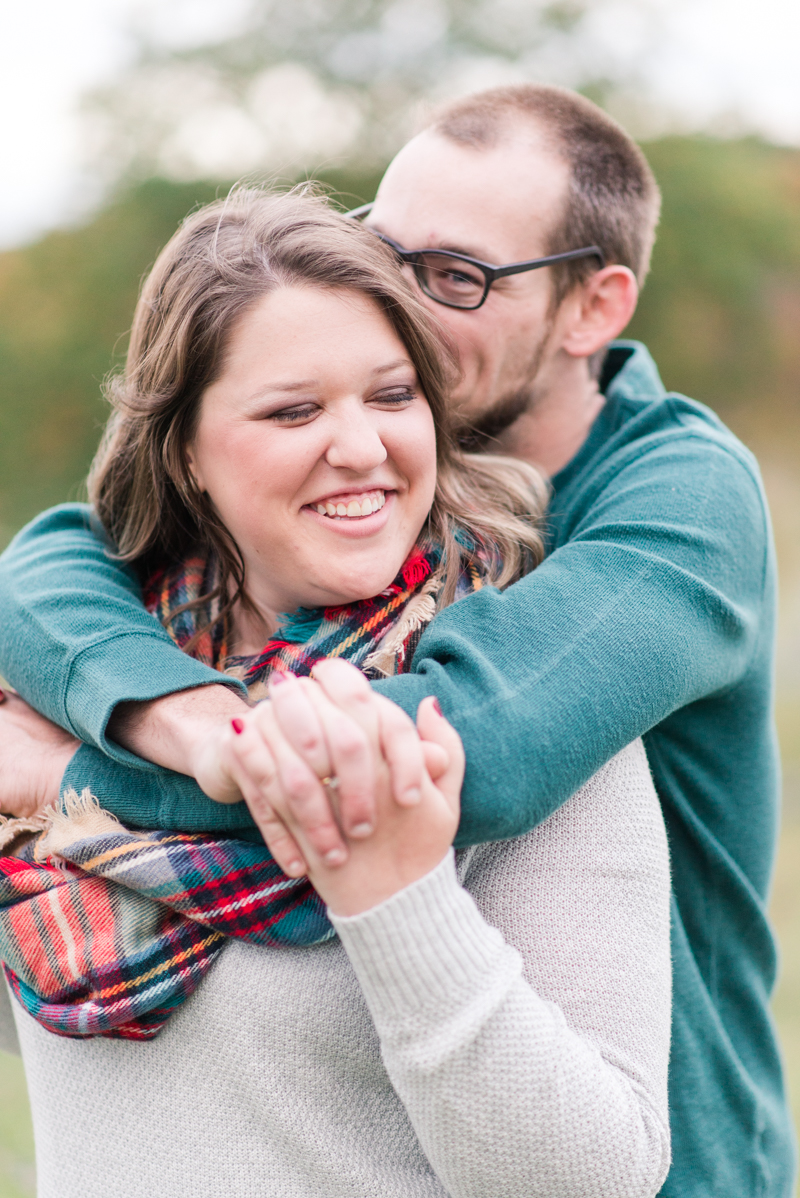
(424, 946)
(132, 667)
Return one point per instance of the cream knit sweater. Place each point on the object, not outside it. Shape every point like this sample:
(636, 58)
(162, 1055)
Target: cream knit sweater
(506, 1037)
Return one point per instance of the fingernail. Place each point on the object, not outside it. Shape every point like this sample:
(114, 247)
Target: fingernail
(334, 857)
(437, 707)
(278, 677)
(294, 869)
(413, 795)
(361, 830)
(238, 726)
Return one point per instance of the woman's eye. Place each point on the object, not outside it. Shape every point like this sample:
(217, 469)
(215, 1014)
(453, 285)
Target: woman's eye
(295, 415)
(395, 398)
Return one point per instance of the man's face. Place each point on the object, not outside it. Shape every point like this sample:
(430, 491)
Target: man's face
(498, 205)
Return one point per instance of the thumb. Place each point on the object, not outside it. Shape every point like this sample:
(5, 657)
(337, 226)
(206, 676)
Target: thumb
(434, 728)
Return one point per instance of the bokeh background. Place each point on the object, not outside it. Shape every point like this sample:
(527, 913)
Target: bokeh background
(118, 116)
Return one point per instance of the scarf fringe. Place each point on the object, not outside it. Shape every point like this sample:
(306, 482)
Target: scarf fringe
(78, 817)
(418, 613)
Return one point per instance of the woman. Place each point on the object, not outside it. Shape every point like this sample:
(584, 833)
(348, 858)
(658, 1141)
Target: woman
(281, 416)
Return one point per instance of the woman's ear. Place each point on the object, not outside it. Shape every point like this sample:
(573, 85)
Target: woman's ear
(599, 310)
(192, 467)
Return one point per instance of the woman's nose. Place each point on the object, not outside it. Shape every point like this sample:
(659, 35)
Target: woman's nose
(356, 444)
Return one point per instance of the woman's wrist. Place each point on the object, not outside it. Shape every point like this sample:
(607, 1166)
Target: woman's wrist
(350, 891)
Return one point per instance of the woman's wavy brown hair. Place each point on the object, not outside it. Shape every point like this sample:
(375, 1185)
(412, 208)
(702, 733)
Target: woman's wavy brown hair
(223, 259)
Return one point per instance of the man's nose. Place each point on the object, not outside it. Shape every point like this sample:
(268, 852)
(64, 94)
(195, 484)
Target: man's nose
(356, 444)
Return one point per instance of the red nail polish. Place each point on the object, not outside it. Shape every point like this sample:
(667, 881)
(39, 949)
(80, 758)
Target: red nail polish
(2, 696)
(437, 707)
(238, 726)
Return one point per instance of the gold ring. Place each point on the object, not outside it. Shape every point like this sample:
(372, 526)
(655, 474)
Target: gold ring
(331, 781)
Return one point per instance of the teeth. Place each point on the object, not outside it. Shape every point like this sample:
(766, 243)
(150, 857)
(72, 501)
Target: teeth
(365, 506)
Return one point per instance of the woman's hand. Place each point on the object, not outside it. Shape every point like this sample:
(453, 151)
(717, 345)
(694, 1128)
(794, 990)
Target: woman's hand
(235, 759)
(403, 840)
(33, 757)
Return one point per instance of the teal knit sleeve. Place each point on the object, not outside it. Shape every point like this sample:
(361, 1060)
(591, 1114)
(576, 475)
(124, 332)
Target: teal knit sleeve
(659, 596)
(76, 639)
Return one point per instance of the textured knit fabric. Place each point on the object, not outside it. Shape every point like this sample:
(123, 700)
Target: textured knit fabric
(653, 614)
(512, 1044)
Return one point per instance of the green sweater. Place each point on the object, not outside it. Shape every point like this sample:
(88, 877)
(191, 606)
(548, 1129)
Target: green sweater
(653, 614)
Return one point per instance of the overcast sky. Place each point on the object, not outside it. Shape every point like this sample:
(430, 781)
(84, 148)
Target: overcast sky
(723, 59)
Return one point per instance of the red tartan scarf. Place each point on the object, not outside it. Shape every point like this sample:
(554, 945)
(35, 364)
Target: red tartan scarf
(105, 931)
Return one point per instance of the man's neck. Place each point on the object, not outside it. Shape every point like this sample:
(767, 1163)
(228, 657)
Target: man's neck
(554, 429)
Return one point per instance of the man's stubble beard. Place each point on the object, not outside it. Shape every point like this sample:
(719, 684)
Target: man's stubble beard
(480, 431)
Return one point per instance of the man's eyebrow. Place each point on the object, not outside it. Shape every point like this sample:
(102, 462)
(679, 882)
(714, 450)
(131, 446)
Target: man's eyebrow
(448, 247)
(469, 251)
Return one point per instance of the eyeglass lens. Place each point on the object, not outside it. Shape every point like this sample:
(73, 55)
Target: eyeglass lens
(450, 280)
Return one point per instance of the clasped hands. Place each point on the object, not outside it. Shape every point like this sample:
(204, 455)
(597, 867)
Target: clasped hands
(341, 783)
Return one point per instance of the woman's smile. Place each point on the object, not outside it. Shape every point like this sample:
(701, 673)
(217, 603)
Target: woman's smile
(350, 505)
(354, 514)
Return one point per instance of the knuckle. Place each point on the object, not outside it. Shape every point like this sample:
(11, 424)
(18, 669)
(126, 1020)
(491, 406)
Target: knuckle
(351, 743)
(299, 783)
(309, 742)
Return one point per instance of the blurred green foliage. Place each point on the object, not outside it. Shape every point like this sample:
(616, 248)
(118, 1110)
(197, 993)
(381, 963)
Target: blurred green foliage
(65, 307)
(720, 310)
(17, 1172)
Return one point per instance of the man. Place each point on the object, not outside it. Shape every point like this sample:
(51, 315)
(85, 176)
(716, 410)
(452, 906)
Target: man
(652, 615)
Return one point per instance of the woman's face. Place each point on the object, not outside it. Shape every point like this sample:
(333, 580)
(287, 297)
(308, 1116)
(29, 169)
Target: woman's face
(317, 448)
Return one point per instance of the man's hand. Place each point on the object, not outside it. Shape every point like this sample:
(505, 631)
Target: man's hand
(181, 732)
(33, 757)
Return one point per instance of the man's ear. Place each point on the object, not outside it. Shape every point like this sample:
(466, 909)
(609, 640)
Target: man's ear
(598, 311)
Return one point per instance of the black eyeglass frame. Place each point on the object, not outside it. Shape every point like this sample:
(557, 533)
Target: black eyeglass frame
(490, 272)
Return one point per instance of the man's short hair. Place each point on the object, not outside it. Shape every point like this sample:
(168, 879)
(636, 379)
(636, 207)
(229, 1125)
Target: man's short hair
(613, 199)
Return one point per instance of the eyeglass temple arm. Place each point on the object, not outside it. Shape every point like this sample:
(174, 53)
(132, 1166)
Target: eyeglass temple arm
(590, 251)
(357, 213)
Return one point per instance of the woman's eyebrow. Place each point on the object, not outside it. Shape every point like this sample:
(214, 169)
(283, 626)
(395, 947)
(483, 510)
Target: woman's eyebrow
(282, 388)
(393, 366)
(270, 389)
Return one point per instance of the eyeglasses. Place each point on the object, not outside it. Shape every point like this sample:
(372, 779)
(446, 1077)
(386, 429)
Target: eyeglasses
(458, 281)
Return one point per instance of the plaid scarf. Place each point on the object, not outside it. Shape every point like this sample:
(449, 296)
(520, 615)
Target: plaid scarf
(106, 931)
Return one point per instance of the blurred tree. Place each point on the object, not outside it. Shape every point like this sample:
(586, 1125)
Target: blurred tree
(65, 307)
(297, 85)
(720, 310)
